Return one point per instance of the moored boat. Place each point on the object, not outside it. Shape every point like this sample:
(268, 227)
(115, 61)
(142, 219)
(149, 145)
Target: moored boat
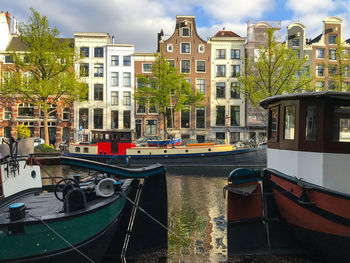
(74, 221)
(306, 180)
(123, 152)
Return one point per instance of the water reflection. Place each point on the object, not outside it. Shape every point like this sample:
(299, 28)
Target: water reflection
(197, 212)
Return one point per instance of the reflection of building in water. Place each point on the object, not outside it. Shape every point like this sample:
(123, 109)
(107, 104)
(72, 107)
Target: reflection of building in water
(197, 214)
(216, 207)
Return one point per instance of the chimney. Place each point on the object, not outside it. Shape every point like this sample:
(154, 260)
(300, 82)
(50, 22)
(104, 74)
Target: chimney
(112, 39)
(8, 18)
(160, 38)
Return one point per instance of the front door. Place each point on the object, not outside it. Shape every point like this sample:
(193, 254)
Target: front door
(138, 127)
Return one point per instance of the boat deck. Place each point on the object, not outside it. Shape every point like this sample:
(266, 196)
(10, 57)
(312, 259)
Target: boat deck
(42, 205)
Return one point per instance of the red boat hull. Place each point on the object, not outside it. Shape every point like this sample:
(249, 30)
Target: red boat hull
(319, 217)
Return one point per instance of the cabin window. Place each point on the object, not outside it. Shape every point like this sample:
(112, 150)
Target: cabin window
(86, 149)
(77, 149)
(273, 133)
(341, 126)
(289, 122)
(310, 129)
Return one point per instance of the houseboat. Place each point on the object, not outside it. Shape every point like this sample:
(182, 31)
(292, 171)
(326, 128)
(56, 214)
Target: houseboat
(306, 185)
(116, 147)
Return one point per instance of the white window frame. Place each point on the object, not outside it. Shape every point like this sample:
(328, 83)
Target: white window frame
(205, 66)
(195, 114)
(181, 66)
(189, 31)
(181, 48)
(114, 79)
(143, 68)
(169, 47)
(199, 48)
(200, 85)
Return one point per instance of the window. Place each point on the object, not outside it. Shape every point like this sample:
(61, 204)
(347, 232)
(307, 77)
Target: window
(346, 71)
(114, 98)
(84, 52)
(220, 54)
(220, 115)
(201, 48)
(83, 123)
(114, 119)
(200, 85)
(114, 78)
(235, 53)
(126, 119)
(200, 118)
(8, 59)
(147, 68)
(169, 47)
(235, 137)
(220, 90)
(297, 53)
(332, 54)
(320, 71)
(7, 132)
(152, 109)
(141, 109)
(345, 54)
(320, 53)
(126, 60)
(25, 110)
(319, 85)
(331, 39)
(235, 112)
(126, 98)
(235, 71)
(185, 66)
(185, 118)
(98, 70)
(295, 42)
(114, 60)
(66, 114)
(273, 131)
(289, 122)
(172, 62)
(332, 71)
(52, 114)
(98, 118)
(84, 70)
(7, 113)
(98, 52)
(200, 138)
(310, 127)
(65, 135)
(169, 118)
(126, 79)
(235, 90)
(151, 127)
(98, 91)
(185, 48)
(200, 66)
(341, 124)
(220, 70)
(331, 85)
(220, 136)
(185, 32)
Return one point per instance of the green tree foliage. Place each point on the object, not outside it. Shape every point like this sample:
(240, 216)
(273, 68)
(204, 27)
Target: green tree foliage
(166, 88)
(22, 131)
(44, 73)
(274, 70)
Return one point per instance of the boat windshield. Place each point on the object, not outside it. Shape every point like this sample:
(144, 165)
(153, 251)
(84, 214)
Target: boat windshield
(341, 124)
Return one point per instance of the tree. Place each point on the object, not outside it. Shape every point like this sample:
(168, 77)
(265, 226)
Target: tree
(166, 88)
(43, 74)
(275, 70)
(22, 131)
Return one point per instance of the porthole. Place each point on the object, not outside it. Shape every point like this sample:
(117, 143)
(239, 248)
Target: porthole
(33, 174)
(201, 48)
(169, 48)
(186, 151)
(165, 151)
(209, 150)
(138, 151)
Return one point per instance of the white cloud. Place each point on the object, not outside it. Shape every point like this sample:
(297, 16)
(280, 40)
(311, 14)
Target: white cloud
(310, 6)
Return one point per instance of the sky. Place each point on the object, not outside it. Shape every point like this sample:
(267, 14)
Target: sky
(138, 21)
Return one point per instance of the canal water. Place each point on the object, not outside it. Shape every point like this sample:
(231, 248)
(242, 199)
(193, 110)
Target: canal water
(196, 216)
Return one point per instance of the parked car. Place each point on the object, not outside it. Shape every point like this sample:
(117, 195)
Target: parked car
(38, 142)
(142, 141)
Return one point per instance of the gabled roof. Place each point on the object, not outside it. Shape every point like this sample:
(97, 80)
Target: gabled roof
(315, 40)
(17, 45)
(226, 34)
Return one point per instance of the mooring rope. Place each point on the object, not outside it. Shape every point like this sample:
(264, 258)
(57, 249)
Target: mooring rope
(154, 219)
(65, 240)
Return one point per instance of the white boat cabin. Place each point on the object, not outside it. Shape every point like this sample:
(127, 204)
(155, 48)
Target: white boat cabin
(309, 137)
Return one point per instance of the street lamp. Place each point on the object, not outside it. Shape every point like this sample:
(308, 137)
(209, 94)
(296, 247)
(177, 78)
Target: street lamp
(84, 119)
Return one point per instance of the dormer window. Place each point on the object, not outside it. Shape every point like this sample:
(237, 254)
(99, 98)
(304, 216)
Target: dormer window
(331, 39)
(169, 48)
(185, 32)
(295, 43)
